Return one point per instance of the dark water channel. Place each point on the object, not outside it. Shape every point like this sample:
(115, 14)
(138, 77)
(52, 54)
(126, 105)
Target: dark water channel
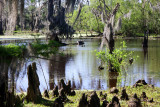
(80, 65)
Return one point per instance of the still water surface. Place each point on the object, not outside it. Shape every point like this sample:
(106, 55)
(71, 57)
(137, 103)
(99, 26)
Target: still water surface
(80, 65)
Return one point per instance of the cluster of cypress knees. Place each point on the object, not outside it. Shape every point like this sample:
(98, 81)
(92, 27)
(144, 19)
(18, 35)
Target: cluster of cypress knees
(94, 100)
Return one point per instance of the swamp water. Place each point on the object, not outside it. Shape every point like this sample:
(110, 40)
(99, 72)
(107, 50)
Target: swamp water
(80, 65)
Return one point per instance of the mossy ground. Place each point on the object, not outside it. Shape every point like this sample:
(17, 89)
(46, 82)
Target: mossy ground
(150, 92)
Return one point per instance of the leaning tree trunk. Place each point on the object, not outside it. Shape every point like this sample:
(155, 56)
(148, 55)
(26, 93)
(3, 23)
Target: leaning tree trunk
(12, 18)
(1, 10)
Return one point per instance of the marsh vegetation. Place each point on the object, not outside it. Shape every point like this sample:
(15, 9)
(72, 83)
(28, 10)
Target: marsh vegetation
(45, 65)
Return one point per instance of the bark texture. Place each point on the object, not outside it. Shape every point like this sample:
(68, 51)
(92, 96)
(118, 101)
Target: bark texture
(22, 14)
(109, 29)
(1, 10)
(56, 19)
(33, 92)
(13, 14)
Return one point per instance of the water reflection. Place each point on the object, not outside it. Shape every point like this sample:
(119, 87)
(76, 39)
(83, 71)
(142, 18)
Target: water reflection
(145, 51)
(80, 65)
(9, 71)
(113, 79)
(3, 79)
(57, 68)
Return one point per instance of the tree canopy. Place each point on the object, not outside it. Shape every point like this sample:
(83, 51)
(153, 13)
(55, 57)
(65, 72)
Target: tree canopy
(81, 15)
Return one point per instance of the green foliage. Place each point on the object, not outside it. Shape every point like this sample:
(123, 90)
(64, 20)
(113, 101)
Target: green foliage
(89, 22)
(129, 28)
(32, 1)
(133, 26)
(16, 50)
(45, 49)
(53, 43)
(118, 58)
(86, 21)
(11, 50)
(140, 18)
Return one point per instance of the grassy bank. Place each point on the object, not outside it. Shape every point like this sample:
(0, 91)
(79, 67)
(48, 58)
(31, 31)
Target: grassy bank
(74, 100)
(76, 35)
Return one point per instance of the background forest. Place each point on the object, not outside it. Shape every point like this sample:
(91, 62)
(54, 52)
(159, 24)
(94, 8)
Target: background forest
(136, 16)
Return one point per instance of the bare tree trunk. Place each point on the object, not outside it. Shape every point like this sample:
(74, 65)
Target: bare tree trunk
(108, 33)
(22, 15)
(37, 23)
(12, 19)
(50, 14)
(4, 15)
(54, 20)
(143, 13)
(108, 37)
(146, 31)
(1, 28)
(109, 30)
(113, 79)
(1, 10)
(32, 22)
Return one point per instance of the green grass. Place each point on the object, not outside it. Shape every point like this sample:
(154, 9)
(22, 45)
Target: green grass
(151, 93)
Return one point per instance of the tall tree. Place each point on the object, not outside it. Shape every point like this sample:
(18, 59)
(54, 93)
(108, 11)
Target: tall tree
(109, 31)
(56, 18)
(109, 20)
(146, 31)
(22, 14)
(13, 14)
(50, 14)
(1, 10)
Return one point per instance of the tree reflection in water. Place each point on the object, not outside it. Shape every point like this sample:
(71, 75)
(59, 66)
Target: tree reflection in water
(57, 69)
(9, 71)
(113, 79)
(80, 65)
